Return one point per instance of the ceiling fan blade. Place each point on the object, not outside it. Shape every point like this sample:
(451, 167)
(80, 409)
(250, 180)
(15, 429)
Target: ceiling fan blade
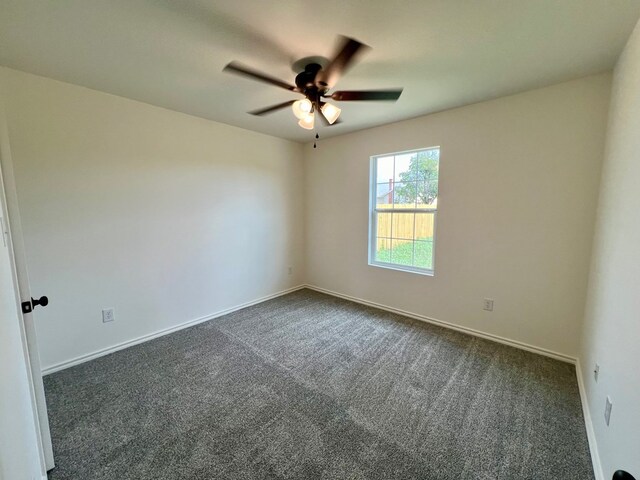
(345, 58)
(272, 108)
(239, 69)
(357, 95)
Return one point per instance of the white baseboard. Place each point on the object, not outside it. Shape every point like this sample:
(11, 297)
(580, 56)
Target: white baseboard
(441, 323)
(129, 343)
(470, 331)
(591, 434)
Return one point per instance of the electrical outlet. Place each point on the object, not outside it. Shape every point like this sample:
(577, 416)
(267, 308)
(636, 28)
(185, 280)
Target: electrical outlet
(108, 315)
(488, 304)
(607, 410)
(596, 372)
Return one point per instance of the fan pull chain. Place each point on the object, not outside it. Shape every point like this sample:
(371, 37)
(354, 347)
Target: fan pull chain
(314, 143)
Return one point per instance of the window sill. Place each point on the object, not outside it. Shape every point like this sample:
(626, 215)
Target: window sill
(400, 268)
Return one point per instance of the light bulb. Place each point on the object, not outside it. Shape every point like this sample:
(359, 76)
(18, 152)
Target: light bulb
(301, 108)
(307, 122)
(305, 105)
(331, 112)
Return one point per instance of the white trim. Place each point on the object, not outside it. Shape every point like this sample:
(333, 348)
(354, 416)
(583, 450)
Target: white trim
(470, 331)
(405, 152)
(591, 434)
(403, 268)
(405, 210)
(129, 343)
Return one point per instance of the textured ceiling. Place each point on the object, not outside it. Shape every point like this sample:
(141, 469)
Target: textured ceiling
(444, 53)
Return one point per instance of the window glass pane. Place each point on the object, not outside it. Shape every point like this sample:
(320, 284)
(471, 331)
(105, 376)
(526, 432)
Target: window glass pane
(384, 224)
(402, 252)
(404, 195)
(424, 226)
(427, 194)
(383, 250)
(384, 195)
(403, 224)
(384, 169)
(431, 154)
(402, 168)
(424, 254)
(426, 166)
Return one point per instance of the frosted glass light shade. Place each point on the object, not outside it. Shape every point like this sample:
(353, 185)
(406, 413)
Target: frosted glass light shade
(307, 122)
(331, 112)
(301, 108)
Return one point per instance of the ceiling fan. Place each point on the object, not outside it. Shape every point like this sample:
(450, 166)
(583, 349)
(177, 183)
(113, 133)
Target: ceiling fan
(314, 82)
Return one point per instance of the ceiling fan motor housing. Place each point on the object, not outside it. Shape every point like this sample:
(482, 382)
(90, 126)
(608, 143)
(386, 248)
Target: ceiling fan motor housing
(306, 82)
(307, 78)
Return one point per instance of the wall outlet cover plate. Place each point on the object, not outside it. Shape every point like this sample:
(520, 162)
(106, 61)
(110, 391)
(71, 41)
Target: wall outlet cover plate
(108, 315)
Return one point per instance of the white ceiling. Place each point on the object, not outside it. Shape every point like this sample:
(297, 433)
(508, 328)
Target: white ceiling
(445, 53)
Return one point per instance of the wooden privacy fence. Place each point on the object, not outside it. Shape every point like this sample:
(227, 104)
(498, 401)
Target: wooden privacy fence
(403, 226)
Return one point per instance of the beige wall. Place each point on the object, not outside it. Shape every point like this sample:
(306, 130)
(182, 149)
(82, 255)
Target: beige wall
(518, 177)
(612, 320)
(163, 216)
(168, 218)
(182, 217)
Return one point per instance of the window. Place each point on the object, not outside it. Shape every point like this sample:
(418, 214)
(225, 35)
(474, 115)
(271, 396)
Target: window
(404, 205)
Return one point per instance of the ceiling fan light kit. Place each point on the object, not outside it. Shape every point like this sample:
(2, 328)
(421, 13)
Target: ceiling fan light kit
(314, 82)
(302, 108)
(330, 112)
(307, 122)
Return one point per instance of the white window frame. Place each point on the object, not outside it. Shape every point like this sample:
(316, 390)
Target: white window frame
(373, 219)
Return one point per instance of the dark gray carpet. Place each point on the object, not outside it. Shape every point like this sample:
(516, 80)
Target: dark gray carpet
(308, 386)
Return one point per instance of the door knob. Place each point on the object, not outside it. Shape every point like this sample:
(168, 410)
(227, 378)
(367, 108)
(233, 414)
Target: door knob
(622, 475)
(43, 301)
(27, 307)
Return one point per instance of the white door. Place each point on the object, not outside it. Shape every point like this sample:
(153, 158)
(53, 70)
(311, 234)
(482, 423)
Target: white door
(21, 453)
(14, 250)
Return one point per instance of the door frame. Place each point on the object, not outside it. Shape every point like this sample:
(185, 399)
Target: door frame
(13, 228)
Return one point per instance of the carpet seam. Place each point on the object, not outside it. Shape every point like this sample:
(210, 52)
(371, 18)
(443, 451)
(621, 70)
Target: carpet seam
(274, 363)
